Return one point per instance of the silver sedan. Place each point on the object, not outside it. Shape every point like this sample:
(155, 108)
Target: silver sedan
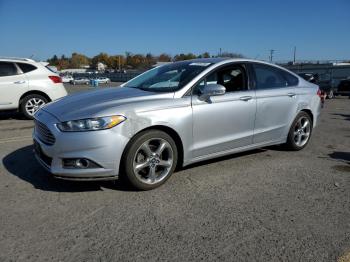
(173, 116)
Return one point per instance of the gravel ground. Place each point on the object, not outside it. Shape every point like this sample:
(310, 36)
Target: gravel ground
(264, 205)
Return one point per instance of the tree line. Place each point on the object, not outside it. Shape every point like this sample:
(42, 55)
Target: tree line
(127, 60)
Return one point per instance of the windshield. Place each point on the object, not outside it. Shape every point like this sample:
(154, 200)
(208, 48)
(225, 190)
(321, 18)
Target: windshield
(168, 78)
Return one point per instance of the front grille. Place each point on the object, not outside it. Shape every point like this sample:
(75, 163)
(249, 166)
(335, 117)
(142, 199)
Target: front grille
(44, 134)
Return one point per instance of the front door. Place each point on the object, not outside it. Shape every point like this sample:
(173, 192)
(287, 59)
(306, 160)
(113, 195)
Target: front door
(225, 122)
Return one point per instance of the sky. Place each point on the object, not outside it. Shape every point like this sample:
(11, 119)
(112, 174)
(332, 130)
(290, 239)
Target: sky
(320, 29)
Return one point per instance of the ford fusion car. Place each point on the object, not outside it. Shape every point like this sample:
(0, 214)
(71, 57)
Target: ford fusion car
(173, 116)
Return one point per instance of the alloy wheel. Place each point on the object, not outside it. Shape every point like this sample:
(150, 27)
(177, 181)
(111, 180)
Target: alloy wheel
(330, 94)
(33, 105)
(153, 161)
(302, 131)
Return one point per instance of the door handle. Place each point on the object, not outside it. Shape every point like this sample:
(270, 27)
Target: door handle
(245, 98)
(291, 94)
(19, 82)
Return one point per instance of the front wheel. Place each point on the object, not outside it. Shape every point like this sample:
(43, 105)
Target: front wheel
(300, 132)
(150, 159)
(32, 103)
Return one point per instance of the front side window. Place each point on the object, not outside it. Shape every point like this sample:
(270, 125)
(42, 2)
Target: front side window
(233, 78)
(168, 78)
(7, 69)
(268, 77)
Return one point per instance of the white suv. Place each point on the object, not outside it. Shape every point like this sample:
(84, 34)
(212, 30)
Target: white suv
(27, 85)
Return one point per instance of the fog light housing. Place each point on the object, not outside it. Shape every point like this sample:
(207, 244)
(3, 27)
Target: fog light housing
(79, 163)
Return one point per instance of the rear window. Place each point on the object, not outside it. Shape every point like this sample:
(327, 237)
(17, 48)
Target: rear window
(51, 69)
(26, 67)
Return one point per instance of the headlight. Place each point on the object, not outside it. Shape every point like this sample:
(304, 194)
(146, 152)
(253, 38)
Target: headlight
(91, 124)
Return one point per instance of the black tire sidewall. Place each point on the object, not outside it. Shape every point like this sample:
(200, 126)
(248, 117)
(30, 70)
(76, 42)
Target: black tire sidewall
(290, 140)
(25, 100)
(130, 151)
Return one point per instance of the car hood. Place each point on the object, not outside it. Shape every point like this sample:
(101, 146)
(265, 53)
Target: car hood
(94, 103)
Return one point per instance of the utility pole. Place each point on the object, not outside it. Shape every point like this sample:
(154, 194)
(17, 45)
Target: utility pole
(220, 52)
(271, 54)
(119, 62)
(295, 53)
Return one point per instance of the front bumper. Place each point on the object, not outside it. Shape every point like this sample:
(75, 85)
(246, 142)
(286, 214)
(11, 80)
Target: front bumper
(105, 148)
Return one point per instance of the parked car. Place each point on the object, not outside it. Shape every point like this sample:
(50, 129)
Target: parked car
(103, 80)
(67, 78)
(80, 81)
(324, 81)
(172, 116)
(26, 85)
(344, 88)
(311, 77)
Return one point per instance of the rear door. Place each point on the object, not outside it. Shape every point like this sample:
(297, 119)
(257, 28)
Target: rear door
(12, 85)
(276, 102)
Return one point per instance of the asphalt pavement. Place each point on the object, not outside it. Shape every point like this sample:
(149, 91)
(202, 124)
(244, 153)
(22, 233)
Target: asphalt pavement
(263, 205)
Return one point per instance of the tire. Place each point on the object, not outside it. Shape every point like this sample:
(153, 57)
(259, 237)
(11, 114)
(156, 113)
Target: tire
(30, 104)
(299, 137)
(145, 168)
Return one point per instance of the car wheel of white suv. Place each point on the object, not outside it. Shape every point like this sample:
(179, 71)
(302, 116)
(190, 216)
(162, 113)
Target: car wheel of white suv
(32, 103)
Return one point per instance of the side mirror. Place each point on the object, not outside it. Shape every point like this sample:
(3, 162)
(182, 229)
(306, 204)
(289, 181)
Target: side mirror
(211, 90)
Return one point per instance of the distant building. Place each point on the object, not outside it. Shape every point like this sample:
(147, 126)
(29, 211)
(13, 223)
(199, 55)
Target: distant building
(342, 64)
(73, 70)
(101, 66)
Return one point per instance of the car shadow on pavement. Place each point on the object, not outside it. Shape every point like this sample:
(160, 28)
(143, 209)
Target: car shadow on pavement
(22, 163)
(342, 156)
(8, 115)
(345, 116)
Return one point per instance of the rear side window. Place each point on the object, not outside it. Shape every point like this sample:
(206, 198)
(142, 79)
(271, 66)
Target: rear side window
(291, 80)
(268, 77)
(26, 67)
(7, 69)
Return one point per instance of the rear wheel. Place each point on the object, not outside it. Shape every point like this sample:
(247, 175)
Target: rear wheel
(32, 103)
(330, 95)
(150, 159)
(300, 132)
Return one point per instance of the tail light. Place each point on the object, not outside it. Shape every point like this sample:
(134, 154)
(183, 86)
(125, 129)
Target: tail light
(319, 93)
(56, 79)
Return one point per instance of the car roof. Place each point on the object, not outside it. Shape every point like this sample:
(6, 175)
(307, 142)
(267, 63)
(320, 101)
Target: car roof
(16, 59)
(224, 60)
